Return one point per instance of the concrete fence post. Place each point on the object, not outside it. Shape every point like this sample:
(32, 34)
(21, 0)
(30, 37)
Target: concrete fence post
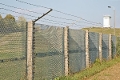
(29, 50)
(100, 46)
(110, 47)
(87, 49)
(66, 50)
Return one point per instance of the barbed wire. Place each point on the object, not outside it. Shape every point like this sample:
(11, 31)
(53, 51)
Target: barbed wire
(75, 21)
(42, 13)
(34, 16)
(17, 12)
(68, 24)
(14, 16)
(35, 12)
(51, 22)
(78, 26)
(20, 8)
(38, 21)
(56, 11)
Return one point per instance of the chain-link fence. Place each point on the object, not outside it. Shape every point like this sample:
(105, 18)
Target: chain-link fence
(49, 60)
(105, 46)
(113, 43)
(93, 46)
(118, 45)
(12, 49)
(48, 50)
(76, 50)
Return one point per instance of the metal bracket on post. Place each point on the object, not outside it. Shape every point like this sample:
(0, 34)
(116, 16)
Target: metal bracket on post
(42, 16)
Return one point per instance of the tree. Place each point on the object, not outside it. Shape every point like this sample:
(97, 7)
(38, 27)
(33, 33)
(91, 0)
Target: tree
(21, 19)
(1, 24)
(9, 17)
(9, 24)
(0, 16)
(21, 23)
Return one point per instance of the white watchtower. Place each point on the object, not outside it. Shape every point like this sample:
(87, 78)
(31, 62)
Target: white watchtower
(106, 21)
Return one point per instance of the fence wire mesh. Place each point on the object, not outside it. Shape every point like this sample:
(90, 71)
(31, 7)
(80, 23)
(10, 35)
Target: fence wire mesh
(76, 41)
(93, 46)
(12, 49)
(49, 50)
(118, 45)
(49, 60)
(105, 46)
(113, 43)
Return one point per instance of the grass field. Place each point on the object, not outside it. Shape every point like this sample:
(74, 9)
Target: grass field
(104, 30)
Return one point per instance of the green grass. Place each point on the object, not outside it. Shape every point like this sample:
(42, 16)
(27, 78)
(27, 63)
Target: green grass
(104, 30)
(96, 68)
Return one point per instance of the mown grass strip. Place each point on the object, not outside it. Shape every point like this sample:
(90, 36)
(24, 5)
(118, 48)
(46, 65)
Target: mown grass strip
(95, 68)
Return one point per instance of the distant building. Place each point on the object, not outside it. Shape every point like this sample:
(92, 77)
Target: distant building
(106, 21)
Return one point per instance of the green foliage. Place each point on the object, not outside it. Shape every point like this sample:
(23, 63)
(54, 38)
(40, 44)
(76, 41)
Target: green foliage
(9, 25)
(0, 17)
(118, 46)
(9, 17)
(21, 18)
(21, 21)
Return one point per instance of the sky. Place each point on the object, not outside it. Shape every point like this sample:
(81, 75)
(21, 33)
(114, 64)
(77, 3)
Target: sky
(87, 13)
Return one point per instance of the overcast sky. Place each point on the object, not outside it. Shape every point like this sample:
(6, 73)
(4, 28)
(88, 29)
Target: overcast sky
(90, 10)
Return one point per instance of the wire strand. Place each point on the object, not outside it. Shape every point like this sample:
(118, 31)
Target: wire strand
(42, 18)
(35, 16)
(14, 16)
(17, 12)
(20, 8)
(56, 11)
(36, 12)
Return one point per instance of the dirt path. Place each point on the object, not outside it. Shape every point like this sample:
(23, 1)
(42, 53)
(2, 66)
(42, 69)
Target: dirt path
(111, 73)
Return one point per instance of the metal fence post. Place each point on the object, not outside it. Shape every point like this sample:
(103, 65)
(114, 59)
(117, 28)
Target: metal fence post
(100, 46)
(87, 49)
(66, 50)
(110, 47)
(29, 50)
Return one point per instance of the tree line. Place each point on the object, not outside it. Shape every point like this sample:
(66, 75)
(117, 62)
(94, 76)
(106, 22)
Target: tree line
(10, 24)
